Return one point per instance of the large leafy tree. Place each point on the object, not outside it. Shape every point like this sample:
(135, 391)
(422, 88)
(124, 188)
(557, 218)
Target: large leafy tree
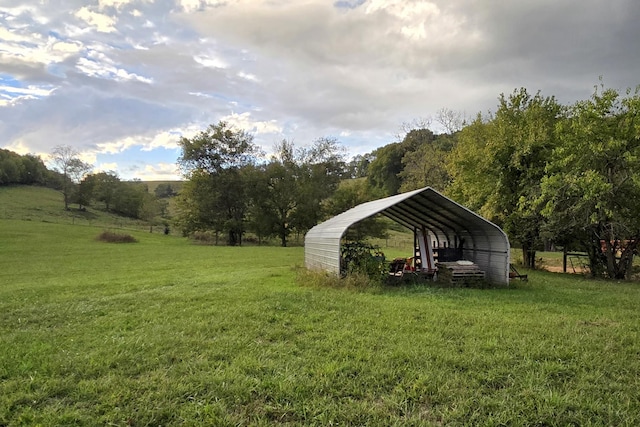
(322, 167)
(106, 186)
(215, 198)
(275, 192)
(287, 192)
(499, 162)
(68, 163)
(591, 195)
(426, 164)
(384, 170)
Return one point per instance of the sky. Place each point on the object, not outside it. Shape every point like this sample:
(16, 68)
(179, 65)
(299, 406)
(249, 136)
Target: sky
(121, 81)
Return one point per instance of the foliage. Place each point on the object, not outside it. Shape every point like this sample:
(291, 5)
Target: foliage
(106, 186)
(287, 192)
(385, 168)
(216, 196)
(65, 159)
(425, 166)
(365, 259)
(113, 237)
(275, 192)
(498, 164)
(164, 190)
(17, 169)
(591, 193)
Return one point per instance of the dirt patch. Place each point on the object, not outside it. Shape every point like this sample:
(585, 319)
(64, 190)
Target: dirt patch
(558, 269)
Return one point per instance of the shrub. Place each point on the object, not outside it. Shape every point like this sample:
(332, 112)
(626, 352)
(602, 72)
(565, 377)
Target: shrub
(363, 258)
(111, 237)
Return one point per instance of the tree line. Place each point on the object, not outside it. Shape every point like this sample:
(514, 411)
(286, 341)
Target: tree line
(547, 173)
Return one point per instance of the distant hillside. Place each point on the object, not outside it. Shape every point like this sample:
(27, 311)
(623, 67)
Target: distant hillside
(32, 203)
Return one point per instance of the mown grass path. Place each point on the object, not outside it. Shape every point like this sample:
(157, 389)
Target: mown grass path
(163, 332)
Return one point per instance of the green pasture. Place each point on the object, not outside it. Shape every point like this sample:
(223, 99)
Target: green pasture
(31, 203)
(165, 332)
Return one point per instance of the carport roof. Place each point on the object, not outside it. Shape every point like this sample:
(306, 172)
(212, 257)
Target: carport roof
(416, 209)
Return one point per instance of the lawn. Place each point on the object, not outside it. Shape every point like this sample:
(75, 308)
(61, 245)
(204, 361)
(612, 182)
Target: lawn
(165, 332)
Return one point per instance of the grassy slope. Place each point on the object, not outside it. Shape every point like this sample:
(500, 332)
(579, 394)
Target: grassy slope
(46, 205)
(163, 332)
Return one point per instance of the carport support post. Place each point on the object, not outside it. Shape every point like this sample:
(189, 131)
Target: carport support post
(426, 251)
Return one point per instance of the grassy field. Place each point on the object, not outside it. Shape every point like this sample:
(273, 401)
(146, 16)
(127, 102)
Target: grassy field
(164, 332)
(30, 203)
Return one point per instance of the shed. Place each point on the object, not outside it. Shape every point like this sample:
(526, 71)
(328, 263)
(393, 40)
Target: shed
(449, 227)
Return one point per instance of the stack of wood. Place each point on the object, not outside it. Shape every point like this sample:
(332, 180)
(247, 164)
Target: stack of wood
(459, 271)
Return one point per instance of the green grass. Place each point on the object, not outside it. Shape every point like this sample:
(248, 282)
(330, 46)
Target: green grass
(164, 332)
(31, 203)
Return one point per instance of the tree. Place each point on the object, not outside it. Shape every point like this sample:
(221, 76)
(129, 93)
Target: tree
(287, 192)
(276, 192)
(591, 194)
(129, 198)
(426, 165)
(34, 170)
(164, 191)
(359, 165)
(322, 167)
(66, 161)
(85, 192)
(17, 169)
(498, 164)
(452, 121)
(106, 187)
(216, 195)
(384, 170)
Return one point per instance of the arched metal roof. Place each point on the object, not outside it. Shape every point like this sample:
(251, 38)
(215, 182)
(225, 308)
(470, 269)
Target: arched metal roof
(447, 221)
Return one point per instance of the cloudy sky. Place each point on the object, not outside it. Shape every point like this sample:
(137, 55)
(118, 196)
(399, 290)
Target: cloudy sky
(123, 80)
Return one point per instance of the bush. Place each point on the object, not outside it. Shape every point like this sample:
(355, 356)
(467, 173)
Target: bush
(362, 258)
(111, 237)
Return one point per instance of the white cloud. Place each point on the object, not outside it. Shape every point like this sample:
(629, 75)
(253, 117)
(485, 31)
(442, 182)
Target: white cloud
(19, 146)
(193, 5)
(117, 146)
(16, 94)
(166, 139)
(34, 48)
(210, 61)
(97, 64)
(159, 172)
(102, 23)
(114, 3)
(106, 167)
(295, 69)
(248, 76)
(245, 122)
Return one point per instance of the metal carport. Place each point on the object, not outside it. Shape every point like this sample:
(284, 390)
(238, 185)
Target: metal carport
(448, 224)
